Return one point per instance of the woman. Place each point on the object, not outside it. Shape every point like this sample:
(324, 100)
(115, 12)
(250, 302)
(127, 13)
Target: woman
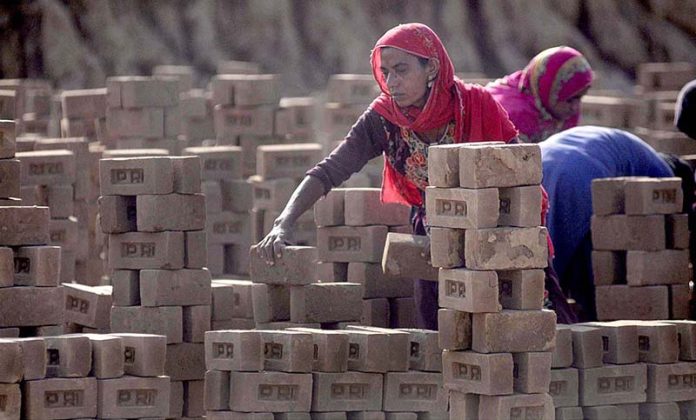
(685, 111)
(571, 160)
(544, 97)
(421, 104)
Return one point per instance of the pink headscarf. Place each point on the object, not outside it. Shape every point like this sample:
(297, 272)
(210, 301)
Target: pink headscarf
(530, 95)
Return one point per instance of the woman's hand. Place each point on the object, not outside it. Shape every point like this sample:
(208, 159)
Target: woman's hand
(271, 247)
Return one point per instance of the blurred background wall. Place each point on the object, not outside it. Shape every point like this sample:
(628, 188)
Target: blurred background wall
(78, 43)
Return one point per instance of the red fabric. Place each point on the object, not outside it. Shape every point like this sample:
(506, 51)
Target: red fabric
(544, 212)
(477, 116)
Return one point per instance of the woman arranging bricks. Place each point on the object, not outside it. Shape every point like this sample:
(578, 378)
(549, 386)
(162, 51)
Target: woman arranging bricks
(422, 103)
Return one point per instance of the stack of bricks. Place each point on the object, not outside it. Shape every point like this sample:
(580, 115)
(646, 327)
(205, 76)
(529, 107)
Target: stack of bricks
(658, 85)
(18, 101)
(31, 298)
(624, 370)
(347, 98)
(83, 376)
(305, 373)
(9, 165)
(611, 111)
(84, 113)
(154, 216)
(484, 213)
(228, 206)
(48, 178)
(287, 293)
(353, 225)
(38, 116)
(640, 238)
(143, 112)
(232, 307)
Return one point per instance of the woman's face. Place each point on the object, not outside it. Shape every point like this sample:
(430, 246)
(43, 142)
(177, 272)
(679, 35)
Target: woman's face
(406, 77)
(571, 106)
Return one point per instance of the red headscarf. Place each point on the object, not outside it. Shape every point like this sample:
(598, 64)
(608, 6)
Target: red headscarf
(477, 116)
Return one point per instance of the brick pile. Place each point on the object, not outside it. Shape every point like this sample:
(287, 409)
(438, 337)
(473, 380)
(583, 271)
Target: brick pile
(9, 165)
(353, 225)
(487, 240)
(48, 178)
(624, 369)
(154, 216)
(143, 112)
(640, 238)
(84, 114)
(83, 376)
(27, 101)
(303, 373)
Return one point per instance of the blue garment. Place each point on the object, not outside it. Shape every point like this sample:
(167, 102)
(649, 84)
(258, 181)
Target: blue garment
(571, 159)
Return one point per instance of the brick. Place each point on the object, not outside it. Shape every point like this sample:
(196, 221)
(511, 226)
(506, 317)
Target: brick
(185, 361)
(653, 196)
(37, 266)
(187, 174)
(624, 302)
(506, 248)
(608, 196)
(217, 390)
(532, 372)
(107, 356)
(83, 103)
(454, 329)
(601, 412)
(414, 391)
(351, 244)
(64, 233)
(231, 122)
(326, 302)
(88, 306)
(7, 267)
(228, 228)
(613, 384)
(677, 231)
(80, 148)
(47, 167)
(462, 208)
(521, 289)
(181, 212)
(12, 361)
(270, 302)
(218, 162)
(330, 210)
(233, 324)
(35, 357)
(165, 320)
(330, 349)
(520, 206)
(686, 335)
(8, 147)
(68, 356)
(60, 200)
(234, 350)
(245, 89)
(141, 250)
(651, 411)
(609, 267)
(196, 321)
(296, 267)
(338, 272)
(237, 195)
(117, 214)
(402, 312)
(136, 176)
(137, 148)
(506, 165)
(563, 387)
(60, 398)
(375, 283)
(487, 374)
(11, 396)
(287, 160)
(670, 382)
(22, 226)
(232, 299)
(398, 346)
(126, 287)
(141, 91)
(425, 354)
(446, 247)
(463, 405)
(363, 207)
(351, 88)
(139, 123)
(443, 165)
(175, 288)
(9, 177)
(237, 415)
(270, 391)
(404, 257)
(657, 342)
(287, 351)
(516, 406)
(619, 340)
(346, 391)
(176, 399)
(195, 249)
(375, 312)
(368, 351)
(588, 350)
(46, 303)
(272, 194)
(641, 269)
(621, 232)
(131, 396)
(468, 290)
(143, 354)
(510, 331)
